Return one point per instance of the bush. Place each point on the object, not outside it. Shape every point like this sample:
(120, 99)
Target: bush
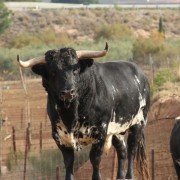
(113, 31)
(159, 48)
(46, 37)
(162, 77)
(48, 160)
(5, 19)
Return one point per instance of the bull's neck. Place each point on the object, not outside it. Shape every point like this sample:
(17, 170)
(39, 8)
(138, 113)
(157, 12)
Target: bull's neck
(86, 92)
(68, 116)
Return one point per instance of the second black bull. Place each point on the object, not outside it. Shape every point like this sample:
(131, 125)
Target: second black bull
(95, 103)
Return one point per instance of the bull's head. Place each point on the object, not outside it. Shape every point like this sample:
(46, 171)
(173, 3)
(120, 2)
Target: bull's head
(59, 69)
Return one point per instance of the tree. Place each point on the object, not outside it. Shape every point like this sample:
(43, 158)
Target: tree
(161, 26)
(5, 19)
(77, 1)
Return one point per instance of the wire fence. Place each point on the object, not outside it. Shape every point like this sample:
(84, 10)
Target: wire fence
(27, 150)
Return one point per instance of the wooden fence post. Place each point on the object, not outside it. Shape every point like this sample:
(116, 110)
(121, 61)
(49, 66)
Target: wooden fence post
(14, 139)
(114, 165)
(14, 143)
(40, 138)
(57, 173)
(22, 117)
(25, 154)
(153, 172)
(29, 136)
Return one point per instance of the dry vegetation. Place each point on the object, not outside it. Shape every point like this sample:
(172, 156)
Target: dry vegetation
(82, 24)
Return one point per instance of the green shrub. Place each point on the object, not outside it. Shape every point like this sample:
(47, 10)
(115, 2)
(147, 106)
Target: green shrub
(163, 76)
(113, 31)
(5, 18)
(24, 39)
(166, 52)
(159, 48)
(50, 37)
(47, 37)
(142, 47)
(14, 160)
(48, 160)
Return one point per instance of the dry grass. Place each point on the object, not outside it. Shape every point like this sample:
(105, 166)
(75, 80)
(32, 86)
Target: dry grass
(85, 21)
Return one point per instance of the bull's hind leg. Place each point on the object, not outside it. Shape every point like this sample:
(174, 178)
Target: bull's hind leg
(135, 136)
(120, 147)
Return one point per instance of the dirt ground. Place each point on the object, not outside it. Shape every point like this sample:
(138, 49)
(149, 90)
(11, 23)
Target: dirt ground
(19, 109)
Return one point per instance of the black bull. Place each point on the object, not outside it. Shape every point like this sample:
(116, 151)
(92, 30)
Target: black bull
(175, 146)
(95, 103)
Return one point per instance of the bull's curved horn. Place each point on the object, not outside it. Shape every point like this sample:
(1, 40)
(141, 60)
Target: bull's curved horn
(31, 62)
(92, 54)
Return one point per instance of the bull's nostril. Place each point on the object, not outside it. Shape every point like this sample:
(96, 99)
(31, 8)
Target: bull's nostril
(63, 93)
(67, 94)
(72, 92)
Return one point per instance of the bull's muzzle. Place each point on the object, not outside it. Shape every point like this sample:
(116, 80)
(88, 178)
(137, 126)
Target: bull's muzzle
(67, 95)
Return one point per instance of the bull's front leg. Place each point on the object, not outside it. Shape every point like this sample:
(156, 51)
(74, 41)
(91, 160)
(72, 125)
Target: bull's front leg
(68, 155)
(95, 158)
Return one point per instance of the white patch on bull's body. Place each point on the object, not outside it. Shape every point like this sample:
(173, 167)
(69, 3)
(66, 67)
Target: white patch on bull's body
(136, 78)
(71, 139)
(115, 128)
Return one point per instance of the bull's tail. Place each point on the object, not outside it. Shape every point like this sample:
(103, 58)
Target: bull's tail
(142, 166)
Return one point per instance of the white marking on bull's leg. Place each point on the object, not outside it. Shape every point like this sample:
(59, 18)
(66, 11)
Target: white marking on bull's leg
(108, 144)
(121, 138)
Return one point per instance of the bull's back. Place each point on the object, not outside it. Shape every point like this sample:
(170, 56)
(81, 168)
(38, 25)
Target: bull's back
(127, 85)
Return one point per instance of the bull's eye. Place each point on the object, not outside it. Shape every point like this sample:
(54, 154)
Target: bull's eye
(75, 70)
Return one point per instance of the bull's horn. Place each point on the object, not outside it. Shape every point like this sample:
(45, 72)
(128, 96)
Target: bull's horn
(31, 62)
(92, 54)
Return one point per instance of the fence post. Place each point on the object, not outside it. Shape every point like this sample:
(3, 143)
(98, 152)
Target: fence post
(57, 173)
(14, 143)
(114, 165)
(22, 116)
(25, 154)
(153, 172)
(29, 136)
(46, 117)
(14, 139)
(40, 137)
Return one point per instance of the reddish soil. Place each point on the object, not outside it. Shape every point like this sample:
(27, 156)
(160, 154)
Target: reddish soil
(14, 108)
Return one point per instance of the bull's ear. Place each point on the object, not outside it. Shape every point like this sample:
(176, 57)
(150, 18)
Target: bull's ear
(85, 63)
(40, 69)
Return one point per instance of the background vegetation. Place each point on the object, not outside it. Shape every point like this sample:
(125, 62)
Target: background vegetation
(45, 163)
(154, 51)
(5, 18)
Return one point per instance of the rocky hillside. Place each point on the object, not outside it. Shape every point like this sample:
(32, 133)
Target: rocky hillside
(82, 23)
